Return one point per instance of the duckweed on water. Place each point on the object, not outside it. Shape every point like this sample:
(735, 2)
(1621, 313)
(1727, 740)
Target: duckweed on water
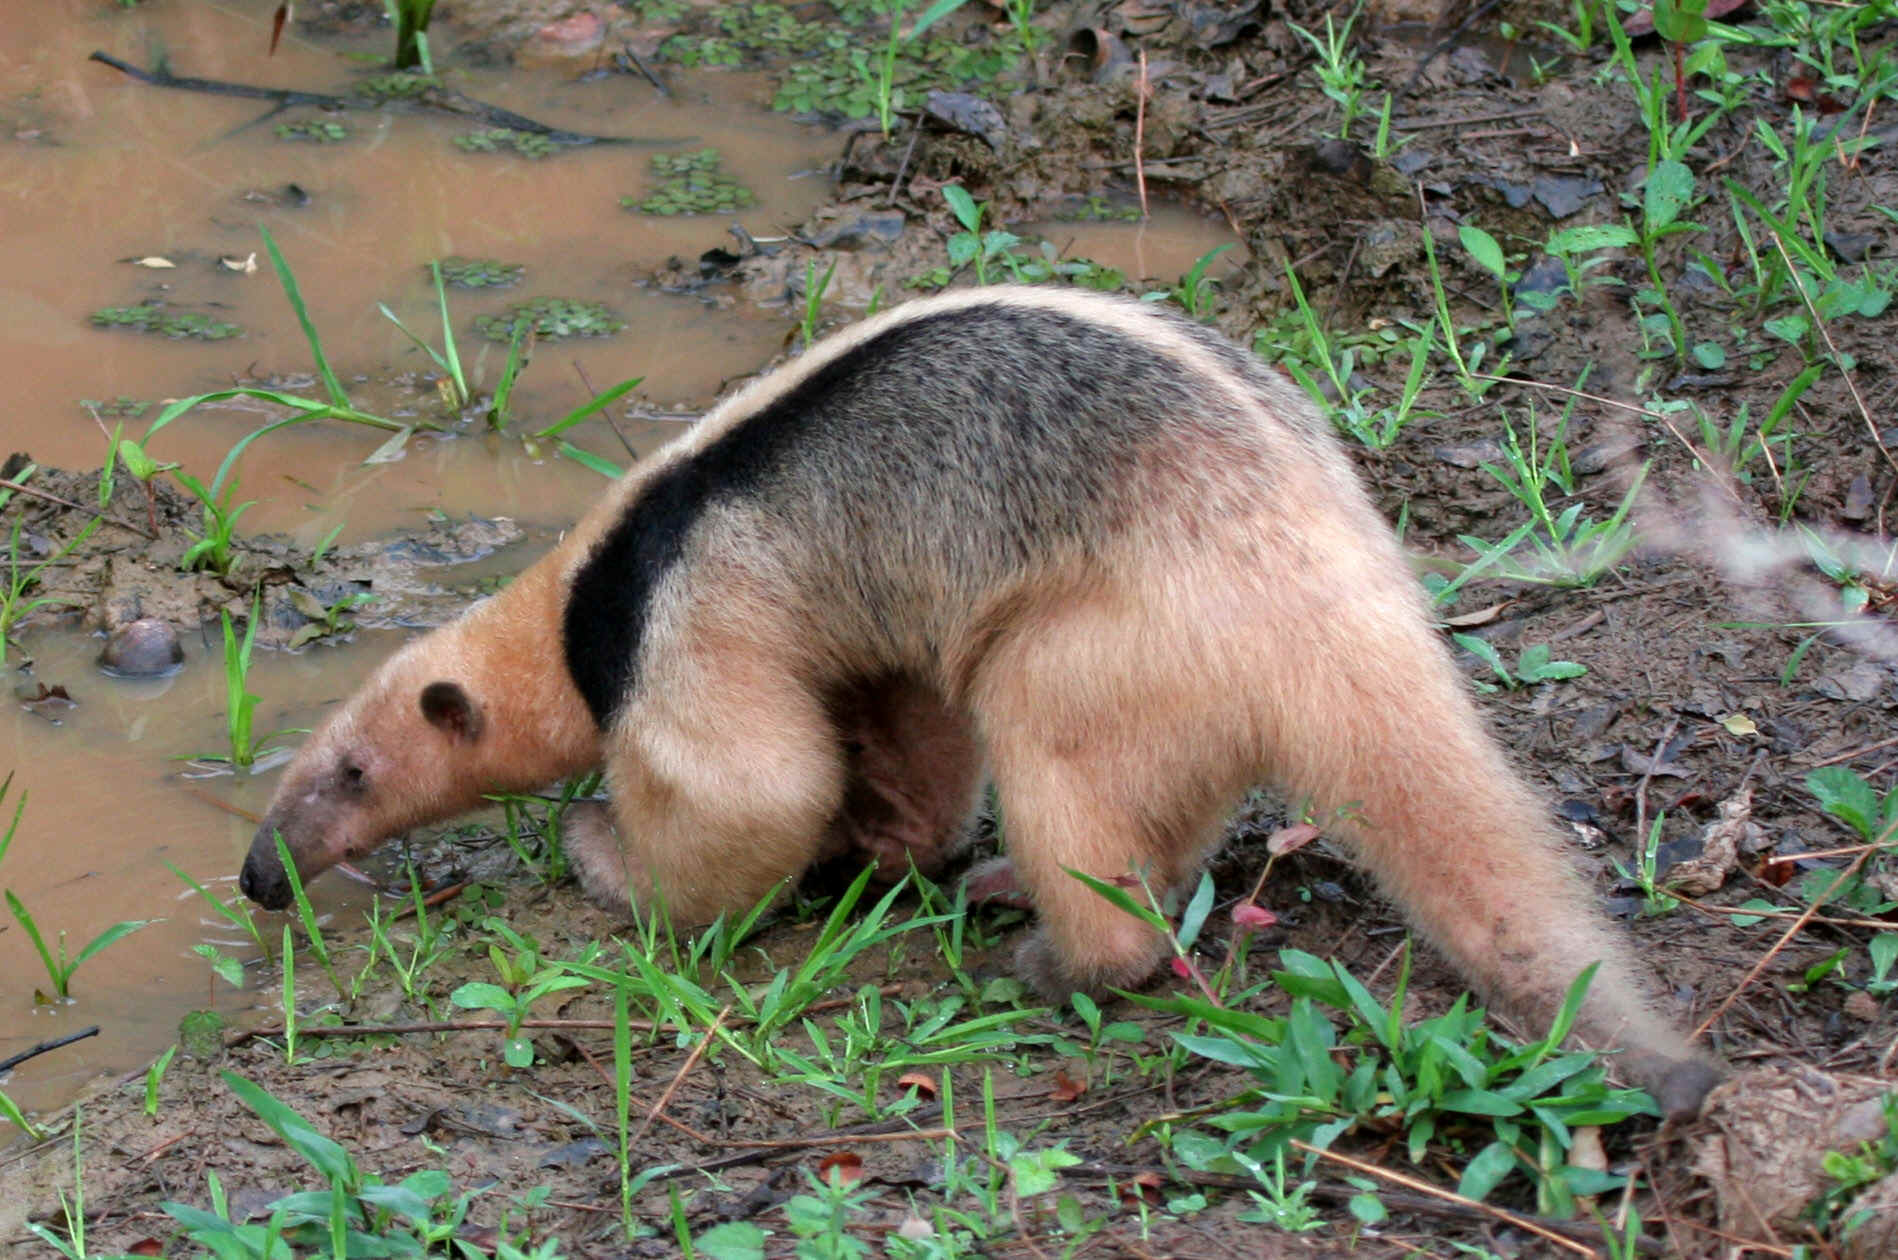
(552, 318)
(834, 63)
(480, 273)
(691, 183)
(526, 143)
(315, 130)
(154, 317)
(1099, 210)
(400, 85)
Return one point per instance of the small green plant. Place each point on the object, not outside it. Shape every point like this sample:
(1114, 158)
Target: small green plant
(1655, 901)
(1489, 255)
(73, 1245)
(312, 929)
(1532, 667)
(240, 706)
(1310, 346)
(158, 318)
(212, 550)
(1194, 292)
(551, 319)
(971, 244)
(313, 130)
(814, 289)
(15, 605)
(1850, 1172)
(525, 979)
(355, 1214)
(887, 99)
(154, 1077)
(59, 967)
(479, 273)
(326, 620)
(1340, 71)
(410, 18)
(528, 144)
(454, 382)
(691, 183)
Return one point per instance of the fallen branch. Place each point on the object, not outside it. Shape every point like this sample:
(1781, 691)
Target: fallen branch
(441, 99)
(7, 1065)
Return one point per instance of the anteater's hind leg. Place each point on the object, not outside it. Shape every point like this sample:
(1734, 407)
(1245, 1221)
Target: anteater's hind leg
(1104, 764)
(724, 774)
(914, 771)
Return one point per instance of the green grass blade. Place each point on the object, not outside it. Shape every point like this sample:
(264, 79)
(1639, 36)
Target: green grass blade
(33, 934)
(597, 403)
(288, 279)
(117, 932)
(587, 459)
(408, 332)
(448, 336)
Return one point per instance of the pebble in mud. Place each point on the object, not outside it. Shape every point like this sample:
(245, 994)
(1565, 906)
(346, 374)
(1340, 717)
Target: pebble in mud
(146, 648)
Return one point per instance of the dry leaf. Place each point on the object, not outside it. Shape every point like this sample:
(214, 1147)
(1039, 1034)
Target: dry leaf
(1287, 839)
(1141, 1188)
(1739, 724)
(1481, 617)
(1719, 848)
(153, 261)
(923, 1083)
(246, 265)
(840, 1168)
(1252, 917)
(1066, 1088)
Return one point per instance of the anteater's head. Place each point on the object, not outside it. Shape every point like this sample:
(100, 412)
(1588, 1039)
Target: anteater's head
(414, 745)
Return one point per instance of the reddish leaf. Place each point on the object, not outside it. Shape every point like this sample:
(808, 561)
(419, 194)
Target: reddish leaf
(840, 1168)
(1252, 917)
(923, 1082)
(1066, 1088)
(146, 1247)
(1182, 968)
(276, 27)
(1141, 1188)
(1287, 839)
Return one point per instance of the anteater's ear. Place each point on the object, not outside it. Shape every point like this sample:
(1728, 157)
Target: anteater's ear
(452, 710)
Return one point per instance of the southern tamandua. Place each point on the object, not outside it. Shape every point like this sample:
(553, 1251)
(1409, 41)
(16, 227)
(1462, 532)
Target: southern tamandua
(1068, 542)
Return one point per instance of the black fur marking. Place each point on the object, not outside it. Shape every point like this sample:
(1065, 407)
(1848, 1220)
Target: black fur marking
(965, 445)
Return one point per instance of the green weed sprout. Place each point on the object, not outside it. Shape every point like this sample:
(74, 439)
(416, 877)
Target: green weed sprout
(240, 705)
(1194, 292)
(885, 84)
(456, 393)
(591, 407)
(814, 290)
(1533, 666)
(73, 1245)
(15, 607)
(1340, 71)
(524, 981)
(1646, 873)
(60, 968)
(211, 550)
(1489, 255)
(311, 928)
(519, 347)
(971, 244)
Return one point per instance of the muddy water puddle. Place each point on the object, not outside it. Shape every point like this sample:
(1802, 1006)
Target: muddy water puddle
(99, 172)
(110, 800)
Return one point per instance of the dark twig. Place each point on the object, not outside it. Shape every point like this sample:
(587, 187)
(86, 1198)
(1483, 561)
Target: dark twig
(7, 1065)
(439, 99)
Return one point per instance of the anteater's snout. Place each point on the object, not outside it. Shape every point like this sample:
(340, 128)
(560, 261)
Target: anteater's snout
(263, 879)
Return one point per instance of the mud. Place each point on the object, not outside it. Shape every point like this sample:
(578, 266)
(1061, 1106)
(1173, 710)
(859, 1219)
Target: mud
(1717, 679)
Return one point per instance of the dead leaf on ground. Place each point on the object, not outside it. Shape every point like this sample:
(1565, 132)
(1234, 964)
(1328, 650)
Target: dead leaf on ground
(1288, 839)
(840, 1168)
(1066, 1088)
(922, 1082)
(1141, 1188)
(1719, 848)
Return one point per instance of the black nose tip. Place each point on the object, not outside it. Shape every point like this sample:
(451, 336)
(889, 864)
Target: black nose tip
(264, 883)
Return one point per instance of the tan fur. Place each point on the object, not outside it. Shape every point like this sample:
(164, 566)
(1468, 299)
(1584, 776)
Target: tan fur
(1123, 689)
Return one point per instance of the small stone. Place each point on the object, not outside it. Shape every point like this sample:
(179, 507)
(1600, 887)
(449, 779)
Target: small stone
(146, 648)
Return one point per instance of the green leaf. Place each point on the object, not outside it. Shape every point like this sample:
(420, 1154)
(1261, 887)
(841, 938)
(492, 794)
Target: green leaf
(1843, 794)
(329, 1159)
(1484, 249)
(1709, 355)
(734, 1240)
(963, 206)
(1367, 1208)
(478, 995)
(1581, 240)
(519, 1052)
(118, 931)
(1670, 188)
(599, 402)
(1486, 1171)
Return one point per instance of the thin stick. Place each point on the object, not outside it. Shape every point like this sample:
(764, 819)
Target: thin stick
(1734, 912)
(7, 1065)
(1792, 929)
(1647, 777)
(1856, 753)
(1574, 393)
(1450, 1196)
(837, 1139)
(678, 1078)
(1140, 133)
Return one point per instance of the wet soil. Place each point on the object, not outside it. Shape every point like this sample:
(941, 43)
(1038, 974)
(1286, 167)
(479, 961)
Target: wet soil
(1719, 668)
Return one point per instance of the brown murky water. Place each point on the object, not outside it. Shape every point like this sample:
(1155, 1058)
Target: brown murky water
(96, 171)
